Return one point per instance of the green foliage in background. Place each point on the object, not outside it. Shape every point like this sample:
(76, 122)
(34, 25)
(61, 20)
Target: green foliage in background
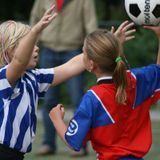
(143, 49)
(106, 9)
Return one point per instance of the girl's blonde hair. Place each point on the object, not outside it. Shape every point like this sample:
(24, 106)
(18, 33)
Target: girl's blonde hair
(103, 48)
(10, 33)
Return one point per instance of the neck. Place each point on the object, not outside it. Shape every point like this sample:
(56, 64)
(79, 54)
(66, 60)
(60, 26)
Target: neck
(99, 75)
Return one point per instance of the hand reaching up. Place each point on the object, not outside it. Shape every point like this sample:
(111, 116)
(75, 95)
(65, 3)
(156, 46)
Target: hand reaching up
(125, 31)
(47, 18)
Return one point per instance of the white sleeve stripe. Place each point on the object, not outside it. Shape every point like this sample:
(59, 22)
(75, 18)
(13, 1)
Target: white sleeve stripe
(43, 87)
(4, 84)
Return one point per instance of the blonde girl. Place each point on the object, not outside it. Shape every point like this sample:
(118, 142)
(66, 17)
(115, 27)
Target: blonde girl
(21, 84)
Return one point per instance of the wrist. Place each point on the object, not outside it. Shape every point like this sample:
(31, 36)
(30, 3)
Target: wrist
(35, 30)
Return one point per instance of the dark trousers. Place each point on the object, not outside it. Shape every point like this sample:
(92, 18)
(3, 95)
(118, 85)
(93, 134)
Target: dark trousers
(131, 158)
(7, 153)
(48, 59)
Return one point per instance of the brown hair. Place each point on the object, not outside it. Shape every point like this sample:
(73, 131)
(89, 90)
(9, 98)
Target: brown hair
(103, 48)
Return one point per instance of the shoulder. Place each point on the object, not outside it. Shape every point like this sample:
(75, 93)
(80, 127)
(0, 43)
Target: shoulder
(88, 102)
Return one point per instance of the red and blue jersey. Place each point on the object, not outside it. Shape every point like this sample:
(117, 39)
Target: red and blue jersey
(115, 130)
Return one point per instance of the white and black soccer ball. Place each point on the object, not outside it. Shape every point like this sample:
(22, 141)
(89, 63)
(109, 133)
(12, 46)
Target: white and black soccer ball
(144, 12)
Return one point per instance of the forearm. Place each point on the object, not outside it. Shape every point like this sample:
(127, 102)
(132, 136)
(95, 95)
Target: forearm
(72, 68)
(60, 128)
(76, 65)
(25, 48)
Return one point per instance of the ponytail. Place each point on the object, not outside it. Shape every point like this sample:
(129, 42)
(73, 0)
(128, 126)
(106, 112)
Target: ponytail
(120, 80)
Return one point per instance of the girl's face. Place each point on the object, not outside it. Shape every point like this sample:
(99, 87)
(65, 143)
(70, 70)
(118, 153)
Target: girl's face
(34, 58)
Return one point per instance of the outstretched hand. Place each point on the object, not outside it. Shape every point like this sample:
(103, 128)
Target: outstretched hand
(125, 31)
(47, 18)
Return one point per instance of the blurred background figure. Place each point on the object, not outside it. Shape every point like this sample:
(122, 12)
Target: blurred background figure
(61, 41)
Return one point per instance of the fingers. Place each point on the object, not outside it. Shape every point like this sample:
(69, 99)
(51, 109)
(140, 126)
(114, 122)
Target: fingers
(53, 16)
(130, 35)
(57, 109)
(50, 10)
(112, 29)
(60, 107)
(148, 27)
(128, 26)
(129, 38)
(130, 32)
(123, 25)
(50, 14)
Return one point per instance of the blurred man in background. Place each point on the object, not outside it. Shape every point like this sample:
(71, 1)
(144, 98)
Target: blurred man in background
(61, 41)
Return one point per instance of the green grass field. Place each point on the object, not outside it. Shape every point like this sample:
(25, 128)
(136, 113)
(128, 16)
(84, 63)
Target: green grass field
(63, 152)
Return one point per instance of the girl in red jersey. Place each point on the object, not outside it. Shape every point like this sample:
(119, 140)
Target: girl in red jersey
(113, 114)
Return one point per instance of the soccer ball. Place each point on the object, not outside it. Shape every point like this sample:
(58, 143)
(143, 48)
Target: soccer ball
(144, 12)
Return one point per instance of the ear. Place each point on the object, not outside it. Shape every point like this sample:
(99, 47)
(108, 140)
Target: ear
(92, 65)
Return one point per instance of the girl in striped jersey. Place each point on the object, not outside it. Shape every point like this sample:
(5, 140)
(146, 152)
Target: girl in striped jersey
(113, 114)
(21, 84)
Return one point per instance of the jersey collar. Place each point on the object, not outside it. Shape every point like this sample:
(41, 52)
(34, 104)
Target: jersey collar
(102, 80)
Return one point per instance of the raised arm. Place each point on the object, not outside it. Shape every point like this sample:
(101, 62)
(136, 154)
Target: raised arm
(23, 52)
(69, 69)
(156, 30)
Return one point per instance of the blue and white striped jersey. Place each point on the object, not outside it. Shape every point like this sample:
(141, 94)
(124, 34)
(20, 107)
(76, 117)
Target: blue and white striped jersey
(18, 107)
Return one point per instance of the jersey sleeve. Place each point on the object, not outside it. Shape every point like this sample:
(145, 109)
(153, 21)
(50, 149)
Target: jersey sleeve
(6, 89)
(44, 79)
(147, 82)
(80, 124)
